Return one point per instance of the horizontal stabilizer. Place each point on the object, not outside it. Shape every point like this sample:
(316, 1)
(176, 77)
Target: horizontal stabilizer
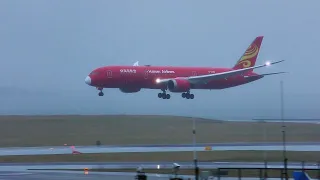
(267, 74)
(272, 73)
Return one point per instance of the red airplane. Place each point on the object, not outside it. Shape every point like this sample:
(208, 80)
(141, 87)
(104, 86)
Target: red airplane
(131, 79)
(74, 151)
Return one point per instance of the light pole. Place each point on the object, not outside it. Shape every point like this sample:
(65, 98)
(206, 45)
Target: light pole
(196, 169)
(265, 140)
(265, 152)
(285, 160)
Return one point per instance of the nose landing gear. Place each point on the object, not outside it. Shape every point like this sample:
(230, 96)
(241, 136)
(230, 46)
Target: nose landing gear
(100, 93)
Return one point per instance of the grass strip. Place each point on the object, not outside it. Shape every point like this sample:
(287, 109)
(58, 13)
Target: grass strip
(16, 131)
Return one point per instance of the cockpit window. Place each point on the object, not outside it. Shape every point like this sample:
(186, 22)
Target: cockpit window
(95, 73)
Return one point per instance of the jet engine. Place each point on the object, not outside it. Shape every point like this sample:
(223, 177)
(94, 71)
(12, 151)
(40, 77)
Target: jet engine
(179, 85)
(130, 89)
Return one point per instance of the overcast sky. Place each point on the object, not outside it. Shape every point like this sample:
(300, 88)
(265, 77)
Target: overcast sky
(47, 48)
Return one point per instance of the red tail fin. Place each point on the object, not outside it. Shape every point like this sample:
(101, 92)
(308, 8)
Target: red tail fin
(248, 59)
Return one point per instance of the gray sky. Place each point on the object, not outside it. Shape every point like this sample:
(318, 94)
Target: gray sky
(47, 48)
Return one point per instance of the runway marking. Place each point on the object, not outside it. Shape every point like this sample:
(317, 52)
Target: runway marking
(15, 174)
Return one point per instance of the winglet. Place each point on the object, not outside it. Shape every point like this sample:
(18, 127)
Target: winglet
(136, 63)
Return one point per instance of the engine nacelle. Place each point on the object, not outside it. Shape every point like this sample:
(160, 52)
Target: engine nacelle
(130, 90)
(179, 85)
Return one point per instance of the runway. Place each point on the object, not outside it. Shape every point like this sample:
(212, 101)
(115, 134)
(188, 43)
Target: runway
(50, 175)
(149, 165)
(47, 150)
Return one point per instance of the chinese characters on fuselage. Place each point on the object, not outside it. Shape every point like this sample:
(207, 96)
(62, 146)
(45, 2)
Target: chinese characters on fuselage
(149, 71)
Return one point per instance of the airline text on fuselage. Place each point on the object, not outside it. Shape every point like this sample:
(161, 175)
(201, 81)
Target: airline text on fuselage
(128, 71)
(162, 71)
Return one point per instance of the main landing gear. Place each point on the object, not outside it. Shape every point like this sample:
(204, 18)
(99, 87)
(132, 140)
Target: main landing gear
(187, 95)
(164, 95)
(100, 93)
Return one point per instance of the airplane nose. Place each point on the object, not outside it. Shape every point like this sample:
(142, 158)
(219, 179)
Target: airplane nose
(87, 80)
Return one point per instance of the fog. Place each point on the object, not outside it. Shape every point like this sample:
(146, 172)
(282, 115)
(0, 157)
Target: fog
(47, 48)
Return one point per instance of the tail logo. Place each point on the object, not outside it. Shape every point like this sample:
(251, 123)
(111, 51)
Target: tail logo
(251, 52)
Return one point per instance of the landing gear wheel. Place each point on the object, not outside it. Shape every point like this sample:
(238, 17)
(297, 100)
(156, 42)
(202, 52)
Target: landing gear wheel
(100, 94)
(187, 95)
(164, 95)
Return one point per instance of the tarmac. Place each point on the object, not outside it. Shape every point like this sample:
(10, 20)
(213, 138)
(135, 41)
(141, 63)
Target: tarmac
(149, 165)
(271, 146)
(49, 175)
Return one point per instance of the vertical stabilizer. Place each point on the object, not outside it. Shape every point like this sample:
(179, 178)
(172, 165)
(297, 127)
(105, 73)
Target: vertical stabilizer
(248, 59)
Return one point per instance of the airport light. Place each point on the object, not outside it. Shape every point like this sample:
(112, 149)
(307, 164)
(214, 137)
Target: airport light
(268, 63)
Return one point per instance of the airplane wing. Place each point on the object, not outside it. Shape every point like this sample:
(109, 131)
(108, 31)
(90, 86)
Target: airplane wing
(208, 77)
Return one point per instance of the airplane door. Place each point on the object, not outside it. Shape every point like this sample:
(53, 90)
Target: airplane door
(146, 74)
(109, 74)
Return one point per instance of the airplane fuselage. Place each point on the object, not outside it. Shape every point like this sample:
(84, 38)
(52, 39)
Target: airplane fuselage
(136, 77)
